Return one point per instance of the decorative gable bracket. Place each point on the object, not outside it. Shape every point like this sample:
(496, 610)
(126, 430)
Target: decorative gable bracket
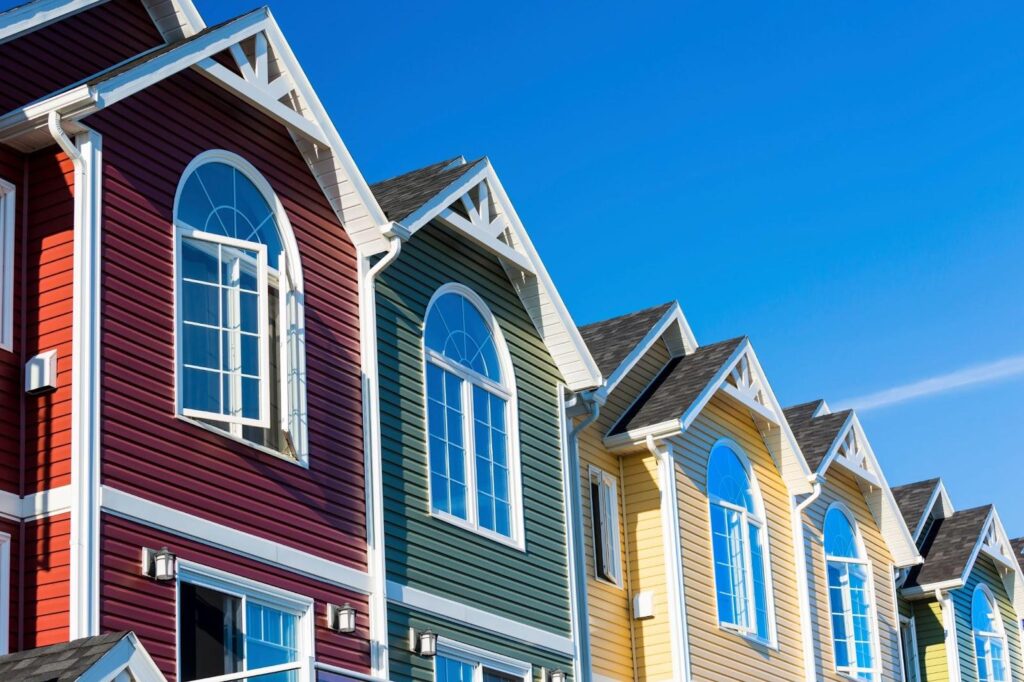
(852, 452)
(747, 386)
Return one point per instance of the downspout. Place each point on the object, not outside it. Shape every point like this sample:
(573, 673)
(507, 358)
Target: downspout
(574, 533)
(23, 408)
(85, 153)
(374, 460)
(672, 539)
(802, 587)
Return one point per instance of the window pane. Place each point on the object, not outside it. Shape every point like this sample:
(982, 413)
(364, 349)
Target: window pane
(728, 478)
(199, 303)
(201, 390)
(757, 562)
(493, 498)
(447, 457)
(209, 626)
(730, 580)
(838, 584)
(201, 346)
(450, 670)
(597, 520)
(270, 640)
(199, 261)
(457, 330)
(840, 540)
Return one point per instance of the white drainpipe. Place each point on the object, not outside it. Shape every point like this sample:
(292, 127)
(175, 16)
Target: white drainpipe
(803, 590)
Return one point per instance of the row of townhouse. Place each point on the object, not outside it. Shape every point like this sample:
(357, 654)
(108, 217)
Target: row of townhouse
(261, 420)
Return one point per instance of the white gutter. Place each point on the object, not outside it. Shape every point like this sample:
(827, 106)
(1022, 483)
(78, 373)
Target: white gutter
(802, 588)
(374, 460)
(674, 558)
(85, 153)
(574, 533)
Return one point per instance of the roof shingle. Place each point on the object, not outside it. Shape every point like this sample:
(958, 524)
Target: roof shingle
(948, 547)
(59, 662)
(912, 499)
(401, 196)
(677, 387)
(815, 435)
(611, 341)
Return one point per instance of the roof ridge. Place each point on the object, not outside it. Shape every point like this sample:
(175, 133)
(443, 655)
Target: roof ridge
(641, 311)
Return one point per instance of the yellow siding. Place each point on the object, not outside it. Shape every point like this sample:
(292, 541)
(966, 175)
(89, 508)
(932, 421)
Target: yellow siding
(714, 653)
(648, 572)
(610, 605)
(931, 644)
(840, 486)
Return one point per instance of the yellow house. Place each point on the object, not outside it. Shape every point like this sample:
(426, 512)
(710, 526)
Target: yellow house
(689, 476)
(855, 541)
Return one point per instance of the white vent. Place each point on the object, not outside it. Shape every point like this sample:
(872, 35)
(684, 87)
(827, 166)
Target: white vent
(41, 373)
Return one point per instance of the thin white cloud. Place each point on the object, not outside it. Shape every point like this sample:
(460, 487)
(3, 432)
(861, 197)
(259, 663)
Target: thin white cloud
(970, 376)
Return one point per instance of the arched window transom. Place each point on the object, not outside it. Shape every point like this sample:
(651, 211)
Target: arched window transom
(239, 311)
(739, 538)
(470, 400)
(989, 637)
(850, 597)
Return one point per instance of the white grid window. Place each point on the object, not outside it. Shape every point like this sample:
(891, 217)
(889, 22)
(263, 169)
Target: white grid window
(850, 597)
(989, 637)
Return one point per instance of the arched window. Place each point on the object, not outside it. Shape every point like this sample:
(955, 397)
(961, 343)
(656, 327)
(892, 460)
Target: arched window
(989, 637)
(239, 312)
(850, 597)
(470, 420)
(739, 539)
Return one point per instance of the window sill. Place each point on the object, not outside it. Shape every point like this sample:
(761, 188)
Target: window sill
(609, 583)
(753, 639)
(846, 675)
(255, 446)
(514, 543)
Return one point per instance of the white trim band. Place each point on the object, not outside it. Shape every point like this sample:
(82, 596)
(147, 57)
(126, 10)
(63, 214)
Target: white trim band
(37, 505)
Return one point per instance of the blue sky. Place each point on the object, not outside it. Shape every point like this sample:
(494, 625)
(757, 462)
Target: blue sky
(842, 182)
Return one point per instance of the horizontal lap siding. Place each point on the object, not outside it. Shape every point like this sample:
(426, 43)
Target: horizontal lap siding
(931, 641)
(48, 316)
(12, 170)
(146, 450)
(129, 601)
(68, 51)
(426, 552)
(840, 486)
(715, 653)
(984, 572)
(47, 600)
(13, 529)
(609, 605)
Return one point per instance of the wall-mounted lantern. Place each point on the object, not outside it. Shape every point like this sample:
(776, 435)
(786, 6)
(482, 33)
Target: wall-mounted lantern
(158, 564)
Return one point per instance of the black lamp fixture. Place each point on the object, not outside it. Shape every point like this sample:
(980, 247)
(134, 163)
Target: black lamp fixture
(158, 564)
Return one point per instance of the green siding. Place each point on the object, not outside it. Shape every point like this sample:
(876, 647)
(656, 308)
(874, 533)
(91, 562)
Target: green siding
(408, 666)
(425, 552)
(984, 571)
(931, 641)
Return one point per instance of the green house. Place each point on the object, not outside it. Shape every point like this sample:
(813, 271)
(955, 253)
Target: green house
(960, 610)
(475, 352)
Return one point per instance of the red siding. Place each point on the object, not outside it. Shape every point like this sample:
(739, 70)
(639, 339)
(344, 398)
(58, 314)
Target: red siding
(148, 141)
(48, 318)
(47, 550)
(132, 602)
(66, 52)
(12, 170)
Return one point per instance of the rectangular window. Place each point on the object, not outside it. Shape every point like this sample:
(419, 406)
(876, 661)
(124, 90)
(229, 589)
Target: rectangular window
(457, 662)
(604, 516)
(228, 625)
(6, 265)
(447, 453)
(494, 505)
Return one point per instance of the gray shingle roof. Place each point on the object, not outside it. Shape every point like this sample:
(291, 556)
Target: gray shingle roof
(912, 498)
(401, 196)
(1018, 550)
(60, 662)
(814, 435)
(948, 547)
(677, 387)
(611, 341)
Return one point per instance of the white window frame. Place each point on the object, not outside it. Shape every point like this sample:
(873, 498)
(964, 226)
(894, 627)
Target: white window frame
(291, 319)
(853, 671)
(7, 203)
(480, 659)
(5, 593)
(1000, 634)
(759, 518)
(244, 588)
(608, 485)
(908, 649)
(505, 391)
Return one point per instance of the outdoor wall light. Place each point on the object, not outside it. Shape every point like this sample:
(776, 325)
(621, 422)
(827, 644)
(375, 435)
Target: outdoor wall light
(556, 676)
(341, 618)
(158, 564)
(423, 643)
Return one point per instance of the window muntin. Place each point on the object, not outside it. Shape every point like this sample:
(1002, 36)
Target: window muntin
(470, 425)
(738, 539)
(989, 637)
(240, 340)
(850, 597)
(225, 628)
(604, 517)
(6, 265)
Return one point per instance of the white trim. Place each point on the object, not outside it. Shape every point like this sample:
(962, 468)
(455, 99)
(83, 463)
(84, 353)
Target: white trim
(505, 390)
(7, 229)
(472, 616)
(299, 605)
(127, 656)
(33, 16)
(477, 657)
(5, 593)
(673, 317)
(36, 505)
(155, 515)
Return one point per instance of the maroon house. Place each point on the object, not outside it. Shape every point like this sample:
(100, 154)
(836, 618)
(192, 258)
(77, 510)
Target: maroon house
(180, 374)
